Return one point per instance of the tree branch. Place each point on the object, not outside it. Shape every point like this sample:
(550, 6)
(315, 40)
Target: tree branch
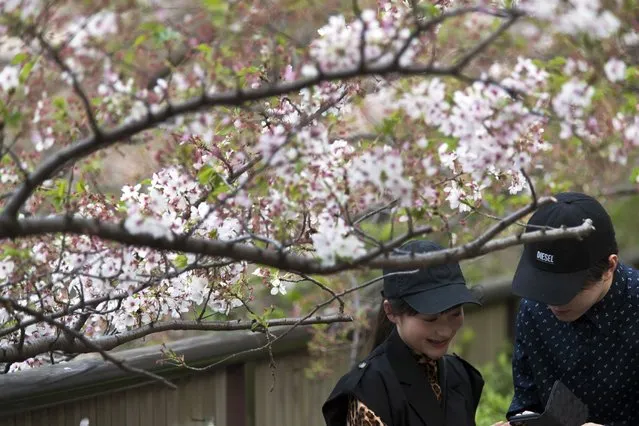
(308, 315)
(76, 85)
(481, 46)
(506, 222)
(77, 336)
(377, 258)
(73, 344)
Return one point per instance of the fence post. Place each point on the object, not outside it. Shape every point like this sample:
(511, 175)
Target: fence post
(235, 395)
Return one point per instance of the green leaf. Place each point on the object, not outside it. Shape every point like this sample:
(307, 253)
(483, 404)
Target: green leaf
(139, 40)
(429, 10)
(19, 58)
(260, 322)
(13, 118)
(387, 127)
(206, 49)
(208, 176)
(630, 105)
(600, 93)
(129, 57)
(218, 9)
(59, 102)
(15, 253)
(632, 75)
(205, 175)
(25, 71)
(181, 261)
(80, 186)
(167, 34)
(151, 26)
(216, 5)
(556, 63)
(58, 193)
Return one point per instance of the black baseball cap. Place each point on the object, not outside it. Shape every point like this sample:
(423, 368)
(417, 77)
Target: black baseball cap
(553, 272)
(428, 290)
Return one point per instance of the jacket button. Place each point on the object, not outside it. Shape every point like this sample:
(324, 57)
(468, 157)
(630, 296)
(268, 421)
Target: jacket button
(362, 365)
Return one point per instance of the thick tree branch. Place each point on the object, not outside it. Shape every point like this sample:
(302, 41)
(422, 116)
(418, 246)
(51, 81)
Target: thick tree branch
(72, 344)
(377, 258)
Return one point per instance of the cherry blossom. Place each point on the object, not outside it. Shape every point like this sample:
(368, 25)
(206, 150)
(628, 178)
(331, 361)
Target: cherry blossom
(9, 77)
(615, 70)
(6, 268)
(570, 105)
(334, 239)
(190, 160)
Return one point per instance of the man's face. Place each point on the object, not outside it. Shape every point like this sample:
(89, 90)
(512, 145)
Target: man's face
(592, 293)
(579, 304)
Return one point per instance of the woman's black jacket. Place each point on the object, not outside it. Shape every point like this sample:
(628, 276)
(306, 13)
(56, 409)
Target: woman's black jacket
(391, 383)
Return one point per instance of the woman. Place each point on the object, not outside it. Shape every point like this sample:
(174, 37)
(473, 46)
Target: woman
(408, 380)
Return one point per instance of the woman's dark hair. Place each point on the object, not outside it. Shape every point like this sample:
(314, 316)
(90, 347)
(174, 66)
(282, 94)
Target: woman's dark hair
(384, 326)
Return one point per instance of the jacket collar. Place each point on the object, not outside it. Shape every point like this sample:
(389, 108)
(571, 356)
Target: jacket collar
(413, 381)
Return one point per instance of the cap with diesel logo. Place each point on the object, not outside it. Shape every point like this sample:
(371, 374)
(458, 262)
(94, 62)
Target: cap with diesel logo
(554, 272)
(429, 290)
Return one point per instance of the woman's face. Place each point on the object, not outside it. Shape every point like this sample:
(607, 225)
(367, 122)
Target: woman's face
(428, 334)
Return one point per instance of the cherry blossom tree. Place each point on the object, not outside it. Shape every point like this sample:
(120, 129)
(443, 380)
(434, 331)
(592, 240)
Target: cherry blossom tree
(166, 166)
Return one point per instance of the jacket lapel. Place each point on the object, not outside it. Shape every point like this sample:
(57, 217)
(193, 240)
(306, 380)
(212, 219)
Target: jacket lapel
(413, 379)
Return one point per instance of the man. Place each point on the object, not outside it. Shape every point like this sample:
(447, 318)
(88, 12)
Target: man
(578, 321)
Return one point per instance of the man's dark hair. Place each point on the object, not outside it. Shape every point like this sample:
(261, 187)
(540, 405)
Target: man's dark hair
(596, 271)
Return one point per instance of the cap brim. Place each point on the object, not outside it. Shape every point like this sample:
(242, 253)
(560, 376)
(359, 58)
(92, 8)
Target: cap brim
(550, 288)
(436, 300)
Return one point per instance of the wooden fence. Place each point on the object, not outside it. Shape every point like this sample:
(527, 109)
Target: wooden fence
(238, 392)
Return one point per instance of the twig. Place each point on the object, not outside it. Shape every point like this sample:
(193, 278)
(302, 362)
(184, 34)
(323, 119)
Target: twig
(328, 290)
(505, 223)
(97, 133)
(533, 194)
(88, 343)
(106, 343)
(481, 46)
(375, 210)
(309, 315)
(357, 330)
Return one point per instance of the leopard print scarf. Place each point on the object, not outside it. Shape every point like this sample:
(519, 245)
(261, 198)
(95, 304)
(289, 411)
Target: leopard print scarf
(360, 415)
(430, 365)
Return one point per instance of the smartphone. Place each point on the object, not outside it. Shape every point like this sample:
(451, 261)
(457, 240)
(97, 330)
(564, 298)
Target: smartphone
(523, 419)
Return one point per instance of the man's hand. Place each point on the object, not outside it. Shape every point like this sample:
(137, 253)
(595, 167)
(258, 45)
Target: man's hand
(503, 424)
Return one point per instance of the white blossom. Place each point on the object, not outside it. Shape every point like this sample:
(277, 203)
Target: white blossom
(9, 77)
(334, 240)
(615, 70)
